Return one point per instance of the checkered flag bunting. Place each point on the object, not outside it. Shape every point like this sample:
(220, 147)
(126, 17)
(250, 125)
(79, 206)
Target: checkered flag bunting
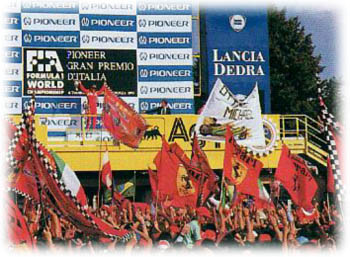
(331, 127)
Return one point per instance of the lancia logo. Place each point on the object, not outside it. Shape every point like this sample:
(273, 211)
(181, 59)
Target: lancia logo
(238, 22)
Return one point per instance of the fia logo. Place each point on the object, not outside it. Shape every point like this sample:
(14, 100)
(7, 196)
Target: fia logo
(238, 22)
(27, 21)
(144, 106)
(43, 61)
(142, 23)
(27, 38)
(143, 56)
(143, 73)
(143, 40)
(85, 22)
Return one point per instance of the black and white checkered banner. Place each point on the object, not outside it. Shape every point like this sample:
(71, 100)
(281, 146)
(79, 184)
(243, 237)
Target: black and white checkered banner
(330, 126)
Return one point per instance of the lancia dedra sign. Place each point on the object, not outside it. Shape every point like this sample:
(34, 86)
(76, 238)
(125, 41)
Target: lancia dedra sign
(238, 51)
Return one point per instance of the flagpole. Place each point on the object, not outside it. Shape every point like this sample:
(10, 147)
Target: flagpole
(329, 215)
(134, 195)
(99, 174)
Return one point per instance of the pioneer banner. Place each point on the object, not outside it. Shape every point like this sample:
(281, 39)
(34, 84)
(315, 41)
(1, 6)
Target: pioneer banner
(241, 113)
(53, 71)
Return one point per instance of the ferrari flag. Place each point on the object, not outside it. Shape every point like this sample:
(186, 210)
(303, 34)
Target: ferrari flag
(124, 124)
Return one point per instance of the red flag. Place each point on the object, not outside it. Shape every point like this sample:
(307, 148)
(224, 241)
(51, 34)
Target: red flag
(122, 121)
(174, 182)
(240, 167)
(330, 177)
(295, 176)
(24, 183)
(18, 229)
(153, 182)
(106, 173)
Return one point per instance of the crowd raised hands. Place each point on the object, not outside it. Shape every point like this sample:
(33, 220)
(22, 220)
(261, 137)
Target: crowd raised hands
(210, 228)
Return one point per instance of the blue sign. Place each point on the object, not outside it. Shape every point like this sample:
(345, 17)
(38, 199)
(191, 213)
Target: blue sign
(164, 40)
(13, 54)
(51, 38)
(55, 105)
(12, 88)
(177, 106)
(165, 73)
(107, 22)
(12, 20)
(238, 51)
(52, 6)
(164, 8)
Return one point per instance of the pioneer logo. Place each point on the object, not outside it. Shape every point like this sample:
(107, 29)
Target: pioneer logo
(143, 56)
(27, 38)
(144, 106)
(143, 73)
(85, 22)
(143, 40)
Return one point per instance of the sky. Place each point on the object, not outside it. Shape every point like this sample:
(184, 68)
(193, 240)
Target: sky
(322, 25)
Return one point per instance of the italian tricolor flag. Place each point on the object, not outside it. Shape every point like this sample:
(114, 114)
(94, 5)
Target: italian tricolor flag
(106, 175)
(68, 178)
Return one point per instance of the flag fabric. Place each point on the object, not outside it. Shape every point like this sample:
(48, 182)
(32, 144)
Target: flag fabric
(241, 168)
(264, 199)
(106, 173)
(124, 124)
(106, 178)
(333, 132)
(296, 178)
(200, 161)
(174, 182)
(18, 231)
(153, 182)
(330, 177)
(62, 186)
(127, 189)
(25, 184)
(241, 113)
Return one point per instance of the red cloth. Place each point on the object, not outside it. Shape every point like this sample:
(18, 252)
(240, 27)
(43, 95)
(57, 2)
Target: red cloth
(153, 182)
(106, 173)
(330, 177)
(203, 211)
(124, 124)
(240, 167)
(295, 176)
(174, 182)
(18, 230)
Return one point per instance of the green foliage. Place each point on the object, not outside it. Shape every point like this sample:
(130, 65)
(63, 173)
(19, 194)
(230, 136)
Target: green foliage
(294, 70)
(333, 96)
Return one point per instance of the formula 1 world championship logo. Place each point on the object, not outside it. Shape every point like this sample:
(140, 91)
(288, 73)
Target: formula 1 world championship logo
(238, 22)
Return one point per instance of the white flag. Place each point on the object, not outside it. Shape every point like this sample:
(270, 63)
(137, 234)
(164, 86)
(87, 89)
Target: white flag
(241, 113)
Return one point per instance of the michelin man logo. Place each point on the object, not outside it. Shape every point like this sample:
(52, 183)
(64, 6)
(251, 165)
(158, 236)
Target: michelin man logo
(238, 22)
(143, 56)
(27, 38)
(144, 106)
(142, 40)
(85, 22)
(27, 21)
(142, 23)
(143, 73)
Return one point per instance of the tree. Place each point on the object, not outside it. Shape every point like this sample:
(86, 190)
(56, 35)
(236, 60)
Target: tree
(332, 94)
(294, 70)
